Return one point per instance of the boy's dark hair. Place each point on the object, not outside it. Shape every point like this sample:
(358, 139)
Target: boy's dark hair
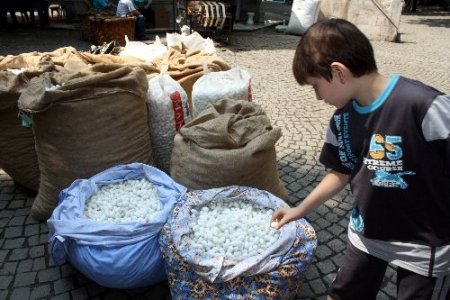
(328, 41)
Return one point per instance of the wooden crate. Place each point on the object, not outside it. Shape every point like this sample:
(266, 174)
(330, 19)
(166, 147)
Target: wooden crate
(100, 29)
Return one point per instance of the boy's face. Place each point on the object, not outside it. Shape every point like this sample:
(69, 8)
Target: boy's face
(333, 92)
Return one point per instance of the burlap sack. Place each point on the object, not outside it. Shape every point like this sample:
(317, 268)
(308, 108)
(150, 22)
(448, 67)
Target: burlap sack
(230, 143)
(84, 123)
(187, 66)
(17, 154)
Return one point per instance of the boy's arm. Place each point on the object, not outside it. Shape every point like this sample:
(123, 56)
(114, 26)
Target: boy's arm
(329, 186)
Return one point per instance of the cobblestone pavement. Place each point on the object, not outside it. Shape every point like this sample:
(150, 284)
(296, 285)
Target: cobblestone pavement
(26, 270)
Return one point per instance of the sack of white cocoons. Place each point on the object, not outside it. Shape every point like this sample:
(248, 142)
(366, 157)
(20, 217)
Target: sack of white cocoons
(218, 244)
(108, 226)
(167, 104)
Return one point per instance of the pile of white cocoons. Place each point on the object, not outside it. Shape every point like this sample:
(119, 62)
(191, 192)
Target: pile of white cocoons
(129, 201)
(231, 229)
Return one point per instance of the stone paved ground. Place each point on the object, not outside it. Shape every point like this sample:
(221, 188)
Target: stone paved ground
(26, 270)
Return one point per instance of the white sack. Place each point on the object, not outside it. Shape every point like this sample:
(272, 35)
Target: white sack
(304, 13)
(232, 84)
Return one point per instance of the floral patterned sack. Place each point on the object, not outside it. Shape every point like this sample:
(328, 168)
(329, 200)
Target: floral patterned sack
(281, 282)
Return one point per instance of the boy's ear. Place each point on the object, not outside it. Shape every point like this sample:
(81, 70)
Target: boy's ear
(341, 71)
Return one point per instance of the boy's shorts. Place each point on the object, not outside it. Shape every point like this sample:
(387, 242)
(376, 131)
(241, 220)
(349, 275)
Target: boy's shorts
(360, 277)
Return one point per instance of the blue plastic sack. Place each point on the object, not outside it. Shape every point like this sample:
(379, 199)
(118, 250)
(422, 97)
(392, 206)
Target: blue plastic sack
(125, 255)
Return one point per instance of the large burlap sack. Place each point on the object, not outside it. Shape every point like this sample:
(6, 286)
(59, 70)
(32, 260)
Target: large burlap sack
(276, 273)
(84, 123)
(230, 143)
(17, 154)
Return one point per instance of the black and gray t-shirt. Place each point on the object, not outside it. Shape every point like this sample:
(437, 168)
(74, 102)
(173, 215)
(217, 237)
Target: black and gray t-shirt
(397, 151)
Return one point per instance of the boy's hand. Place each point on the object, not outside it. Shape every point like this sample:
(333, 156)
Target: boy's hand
(284, 215)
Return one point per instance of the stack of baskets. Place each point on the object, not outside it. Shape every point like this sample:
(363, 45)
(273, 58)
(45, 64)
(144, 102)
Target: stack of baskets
(106, 28)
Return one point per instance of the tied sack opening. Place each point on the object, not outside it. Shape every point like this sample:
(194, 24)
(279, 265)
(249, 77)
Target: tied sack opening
(230, 143)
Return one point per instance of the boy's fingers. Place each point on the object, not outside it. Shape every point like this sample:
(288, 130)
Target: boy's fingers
(276, 215)
(280, 223)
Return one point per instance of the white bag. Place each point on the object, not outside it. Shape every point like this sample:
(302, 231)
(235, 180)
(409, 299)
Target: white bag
(304, 13)
(193, 41)
(214, 86)
(144, 51)
(167, 104)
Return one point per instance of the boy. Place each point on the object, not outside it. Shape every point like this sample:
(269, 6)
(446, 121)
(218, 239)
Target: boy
(390, 139)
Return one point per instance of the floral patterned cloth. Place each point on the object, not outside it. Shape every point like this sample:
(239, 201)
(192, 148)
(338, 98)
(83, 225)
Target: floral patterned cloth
(283, 281)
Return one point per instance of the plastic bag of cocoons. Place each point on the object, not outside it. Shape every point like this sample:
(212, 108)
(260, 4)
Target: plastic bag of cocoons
(213, 86)
(124, 254)
(274, 272)
(168, 112)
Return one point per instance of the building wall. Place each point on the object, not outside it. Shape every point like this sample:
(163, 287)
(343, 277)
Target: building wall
(378, 19)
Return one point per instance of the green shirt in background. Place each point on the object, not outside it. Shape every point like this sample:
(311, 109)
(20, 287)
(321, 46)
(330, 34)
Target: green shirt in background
(142, 3)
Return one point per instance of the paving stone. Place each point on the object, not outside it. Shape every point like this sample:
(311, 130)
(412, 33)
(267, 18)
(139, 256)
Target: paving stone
(323, 236)
(326, 266)
(337, 245)
(41, 291)
(5, 281)
(67, 270)
(317, 286)
(43, 228)
(3, 204)
(306, 292)
(63, 285)
(13, 232)
(33, 240)
(390, 289)
(51, 274)
(8, 268)
(6, 214)
(20, 293)
(17, 221)
(80, 293)
(14, 243)
(18, 254)
(3, 222)
(338, 258)
(323, 251)
(312, 272)
(37, 251)
(65, 296)
(39, 264)
(6, 197)
(15, 203)
(25, 266)
(43, 238)
(336, 230)
(30, 219)
(4, 254)
(31, 229)
(22, 212)
(25, 279)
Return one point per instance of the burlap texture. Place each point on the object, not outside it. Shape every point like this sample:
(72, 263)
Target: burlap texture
(17, 153)
(230, 143)
(84, 123)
